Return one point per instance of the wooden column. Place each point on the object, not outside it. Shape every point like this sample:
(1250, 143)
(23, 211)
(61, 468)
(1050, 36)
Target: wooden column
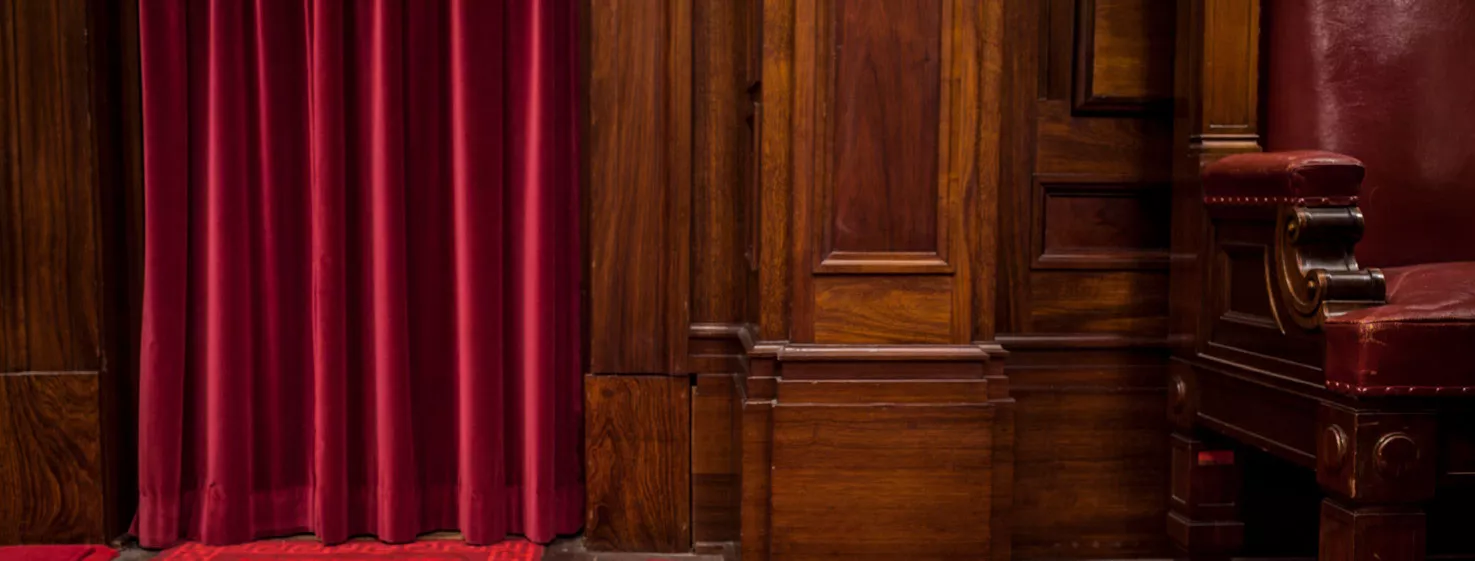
(876, 422)
(70, 183)
(638, 170)
(1217, 108)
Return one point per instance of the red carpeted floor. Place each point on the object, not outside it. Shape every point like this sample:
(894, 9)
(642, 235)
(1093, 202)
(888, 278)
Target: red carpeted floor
(56, 553)
(289, 550)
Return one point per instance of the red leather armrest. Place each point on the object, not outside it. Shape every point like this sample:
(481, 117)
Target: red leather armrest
(1308, 178)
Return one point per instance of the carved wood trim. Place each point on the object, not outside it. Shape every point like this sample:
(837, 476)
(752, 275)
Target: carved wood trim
(1315, 273)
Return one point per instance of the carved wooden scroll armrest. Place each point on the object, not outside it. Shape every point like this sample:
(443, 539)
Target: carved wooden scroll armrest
(1312, 198)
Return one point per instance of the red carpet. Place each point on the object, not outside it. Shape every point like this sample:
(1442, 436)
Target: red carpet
(56, 553)
(429, 550)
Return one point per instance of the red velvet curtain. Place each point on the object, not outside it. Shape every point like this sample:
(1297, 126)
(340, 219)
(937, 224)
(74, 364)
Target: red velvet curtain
(361, 270)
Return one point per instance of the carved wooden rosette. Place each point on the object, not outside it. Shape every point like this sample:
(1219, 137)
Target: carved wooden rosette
(1317, 276)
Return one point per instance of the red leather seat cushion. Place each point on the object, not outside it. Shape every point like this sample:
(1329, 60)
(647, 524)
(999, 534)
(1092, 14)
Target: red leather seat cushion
(1421, 343)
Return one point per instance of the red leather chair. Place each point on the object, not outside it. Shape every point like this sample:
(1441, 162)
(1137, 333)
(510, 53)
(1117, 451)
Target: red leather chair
(1339, 328)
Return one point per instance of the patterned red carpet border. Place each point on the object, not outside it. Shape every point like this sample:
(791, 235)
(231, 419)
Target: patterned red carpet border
(430, 550)
(56, 553)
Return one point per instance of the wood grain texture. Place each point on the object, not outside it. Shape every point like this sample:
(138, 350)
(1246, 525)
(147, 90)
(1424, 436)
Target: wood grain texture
(639, 132)
(1085, 222)
(720, 145)
(1091, 463)
(51, 488)
(716, 447)
(1050, 143)
(883, 482)
(841, 52)
(1124, 61)
(883, 309)
(757, 474)
(776, 170)
(637, 432)
(885, 98)
(54, 169)
(1112, 302)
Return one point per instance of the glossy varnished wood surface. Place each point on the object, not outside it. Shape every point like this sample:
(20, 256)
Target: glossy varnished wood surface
(1091, 461)
(1124, 52)
(637, 432)
(882, 309)
(52, 473)
(638, 134)
(882, 482)
(715, 458)
(59, 480)
(1083, 291)
(885, 101)
(722, 146)
(53, 177)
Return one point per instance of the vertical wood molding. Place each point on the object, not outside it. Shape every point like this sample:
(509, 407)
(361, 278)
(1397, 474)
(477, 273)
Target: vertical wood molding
(639, 134)
(1216, 83)
(775, 169)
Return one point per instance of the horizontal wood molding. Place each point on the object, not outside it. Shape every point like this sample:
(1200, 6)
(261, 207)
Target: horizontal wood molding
(1038, 341)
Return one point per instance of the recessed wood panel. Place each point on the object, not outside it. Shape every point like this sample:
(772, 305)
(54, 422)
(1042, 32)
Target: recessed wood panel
(50, 459)
(1124, 61)
(1101, 225)
(638, 452)
(1133, 303)
(885, 102)
(881, 483)
(883, 309)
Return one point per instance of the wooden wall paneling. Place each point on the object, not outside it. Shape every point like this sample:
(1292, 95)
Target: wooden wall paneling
(1022, 79)
(1123, 56)
(637, 432)
(983, 198)
(639, 135)
(1086, 222)
(52, 474)
(13, 345)
(720, 140)
(1083, 272)
(1091, 464)
(757, 460)
(776, 161)
(63, 192)
(876, 238)
(880, 482)
(715, 458)
(905, 218)
(56, 173)
(722, 260)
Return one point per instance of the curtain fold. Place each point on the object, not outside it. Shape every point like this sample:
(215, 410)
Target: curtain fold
(361, 281)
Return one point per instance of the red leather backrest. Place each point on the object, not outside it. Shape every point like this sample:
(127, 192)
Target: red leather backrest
(1391, 83)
